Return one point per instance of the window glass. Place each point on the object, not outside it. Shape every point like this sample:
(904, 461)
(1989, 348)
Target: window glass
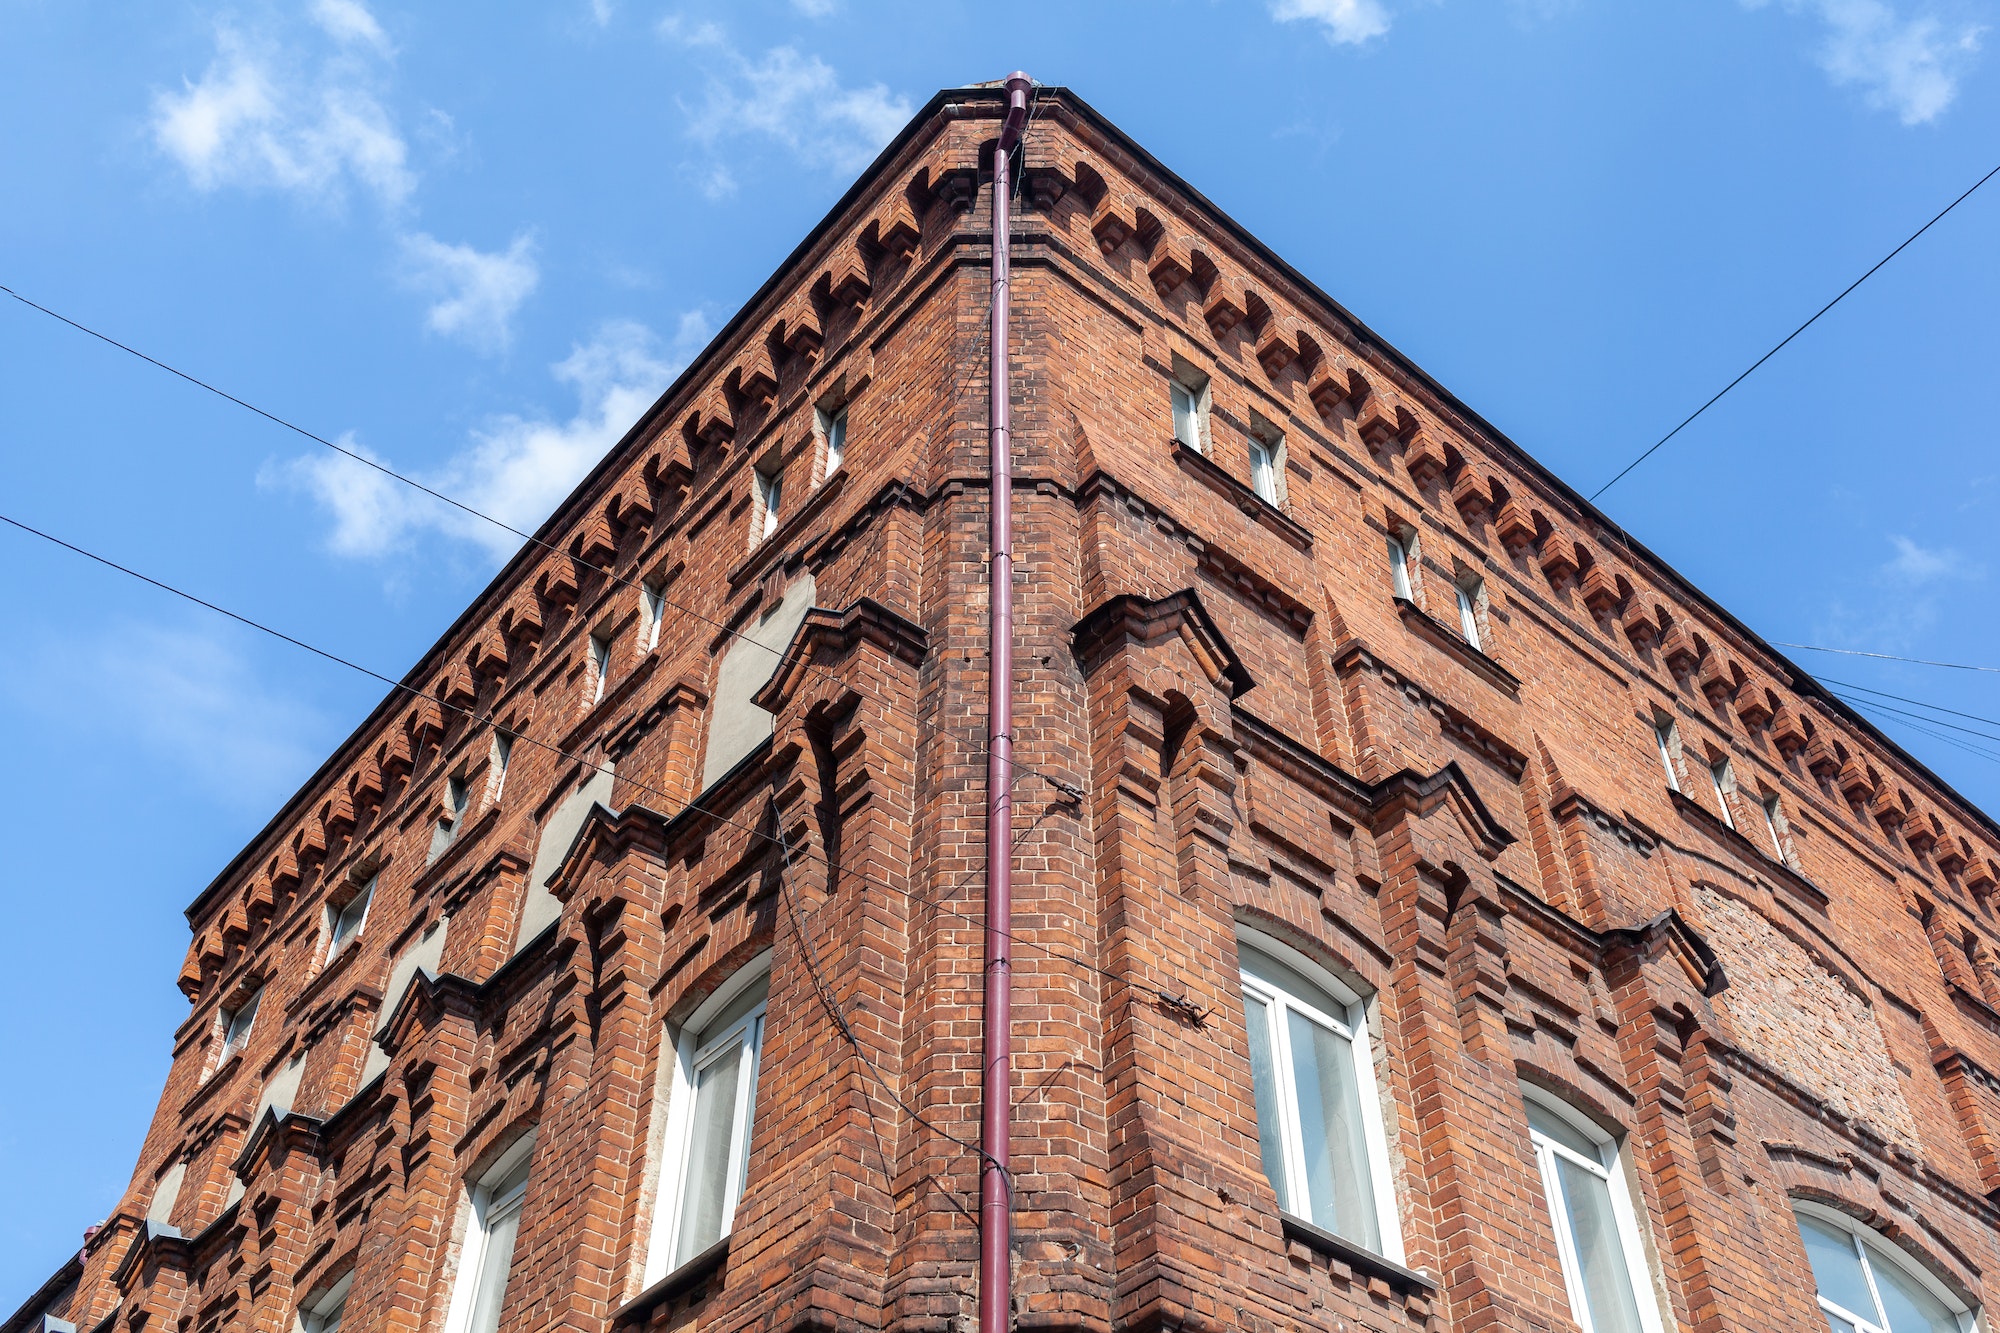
(1596, 1235)
(1399, 567)
(1315, 1099)
(326, 1312)
(348, 919)
(770, 489)
(237, 1022)
(503, 754)
(1187, 422)
(653, 598)
(1770, 805)
(1663, 734)
(1718, 773)
(1866, 1288)
(499, 1223)
(836, 441)
(719, 1079)
(1264, 471)
(600, 666)
(1468, 611)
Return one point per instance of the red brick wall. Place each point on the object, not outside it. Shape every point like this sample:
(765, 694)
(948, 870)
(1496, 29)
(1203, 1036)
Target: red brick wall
(1480, 842)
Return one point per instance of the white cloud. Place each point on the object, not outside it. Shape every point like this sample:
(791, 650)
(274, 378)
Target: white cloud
(190, 697)
(255, 120)
(1910, 66)
(1916, 565)
(817, 9)
(349, 21)
(477, 292)
(515, 469)
(1902, 600)
(793, 100)
(1349, 22)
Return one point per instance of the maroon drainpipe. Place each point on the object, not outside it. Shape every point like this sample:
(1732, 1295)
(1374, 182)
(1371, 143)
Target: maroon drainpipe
(996, 1088)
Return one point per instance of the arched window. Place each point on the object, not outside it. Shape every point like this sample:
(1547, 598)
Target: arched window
(1597, 1233)
(1319, 1123)
(488, 1254)
(1866, 1285)
(709, 1119)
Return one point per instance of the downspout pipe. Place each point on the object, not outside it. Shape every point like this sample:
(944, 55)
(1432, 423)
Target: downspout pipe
(996, 1088)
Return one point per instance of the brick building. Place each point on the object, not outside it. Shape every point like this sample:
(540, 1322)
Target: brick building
(1431, 912)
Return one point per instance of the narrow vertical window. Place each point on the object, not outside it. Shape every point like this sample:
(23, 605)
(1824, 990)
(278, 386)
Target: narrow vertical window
(600, 666)
(834, 426)
(1319, 1131)
(1663, 734)
(451, 817)
(710, 1121)
(481, 1289)
(502, 754)
(1468, 610)
(323, 1314)
(1597, 1236)
(343, 923)
(652, 610)
(1774, 824)
(770, 494)
(1866, 1287)
(237, 1022)
(1187, 415)
(1718, 773)
(1264, 470)
(1402, 551)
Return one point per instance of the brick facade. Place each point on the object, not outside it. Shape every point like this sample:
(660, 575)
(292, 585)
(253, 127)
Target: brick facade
(1227, 721)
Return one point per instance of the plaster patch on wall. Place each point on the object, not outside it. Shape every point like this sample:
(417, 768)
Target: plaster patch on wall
(1789, 1011)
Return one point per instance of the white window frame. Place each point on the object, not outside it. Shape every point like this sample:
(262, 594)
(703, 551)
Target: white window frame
(600, 666)
(1402, 557)
(770, 497)
(1264, 470)
(324, 1315)
(1666, 735)
(652, 612)
(499, 756)
(235, 1039)
(1858, 1232)
(335, 940)
(1723, 778)
(1609, 1167)
(833, 429)
(1468, 592)
(1773, 810)
(691, 1053)
(1189, 404)
(484, 1211)
(1351, 1025)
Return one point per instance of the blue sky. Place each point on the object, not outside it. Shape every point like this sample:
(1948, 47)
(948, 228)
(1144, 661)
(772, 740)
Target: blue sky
(475, 241)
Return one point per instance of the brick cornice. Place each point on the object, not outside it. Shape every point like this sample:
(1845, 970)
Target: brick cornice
(1130, 618)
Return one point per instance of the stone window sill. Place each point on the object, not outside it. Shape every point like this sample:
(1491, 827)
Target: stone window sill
(1473, 660)
(1364, 1262)
(1208, 472)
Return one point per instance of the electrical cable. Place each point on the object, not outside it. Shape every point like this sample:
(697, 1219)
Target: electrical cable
(1938, 735)
(1920, 717)
(1793, 334)
(1884, 657)
(1901, 699)
(609, 573)
(478, 719)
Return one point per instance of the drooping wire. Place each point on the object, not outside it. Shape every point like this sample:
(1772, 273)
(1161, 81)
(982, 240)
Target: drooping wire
(1903, 699)
(607, 571)
(569, 756)
(1689, 419)
(1885, 657)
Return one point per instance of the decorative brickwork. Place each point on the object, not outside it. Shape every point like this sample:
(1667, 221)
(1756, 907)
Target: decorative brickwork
(1228, 722)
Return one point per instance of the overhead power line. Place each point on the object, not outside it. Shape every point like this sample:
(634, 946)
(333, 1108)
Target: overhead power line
(1903, 699)
(1689, 419)
(1884, 657)
(1169, 1000)
(978, 748)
